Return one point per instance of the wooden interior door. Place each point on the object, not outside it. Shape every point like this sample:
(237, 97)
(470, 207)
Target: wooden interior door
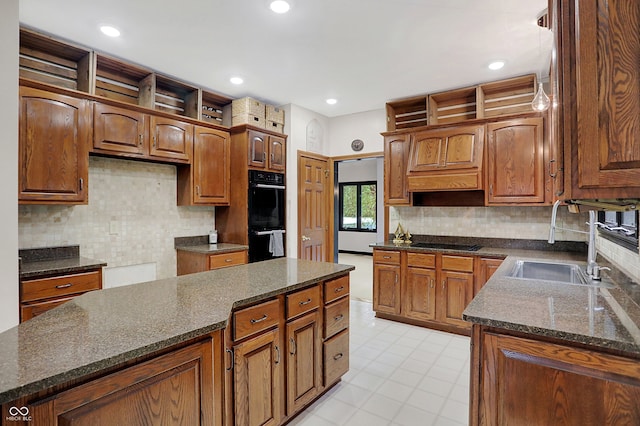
(314, 202)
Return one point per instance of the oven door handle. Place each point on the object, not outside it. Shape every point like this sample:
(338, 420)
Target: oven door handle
(269, 232)
(264, 185)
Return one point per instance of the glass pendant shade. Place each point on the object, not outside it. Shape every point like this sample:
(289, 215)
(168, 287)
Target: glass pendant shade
(540, 101)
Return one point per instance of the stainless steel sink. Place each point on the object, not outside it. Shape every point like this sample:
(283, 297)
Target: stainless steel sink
(566, 273)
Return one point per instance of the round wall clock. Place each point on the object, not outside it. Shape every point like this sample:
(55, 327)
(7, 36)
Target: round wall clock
(357, 145)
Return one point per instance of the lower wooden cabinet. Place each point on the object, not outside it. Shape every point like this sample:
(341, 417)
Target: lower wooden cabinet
(38, 295)
(172, 389)
(486, 268)
(430, 289)
(525, 381)
(189, 262)
(285, 353)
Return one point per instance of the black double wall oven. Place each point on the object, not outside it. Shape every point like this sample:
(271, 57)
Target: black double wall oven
(266, 215)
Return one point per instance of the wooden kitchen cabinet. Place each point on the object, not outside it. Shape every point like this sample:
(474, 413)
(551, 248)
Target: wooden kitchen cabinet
(304, 375)
(128, 132)
(521, 380)
(143, 394)
(189, 262)
(419, 297)
(596, 80)
(266, 151)
(396, 159)
(487, 266)
(54, 132)
(428, 289)
(386, 282)
(516, 159)
(449, 158)
(208, 180)
(38, 295)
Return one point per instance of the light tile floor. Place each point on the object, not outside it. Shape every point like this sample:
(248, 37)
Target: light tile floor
(399, 375)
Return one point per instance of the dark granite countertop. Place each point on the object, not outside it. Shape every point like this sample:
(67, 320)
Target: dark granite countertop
(105, 328)
(47, 261)
(213, 248)
(599, 317)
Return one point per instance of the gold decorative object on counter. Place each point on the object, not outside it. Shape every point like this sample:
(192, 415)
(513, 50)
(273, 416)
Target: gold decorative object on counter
(407, 237)
(399, 235)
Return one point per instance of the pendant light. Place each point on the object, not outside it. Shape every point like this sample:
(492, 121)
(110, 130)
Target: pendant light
(540, 101)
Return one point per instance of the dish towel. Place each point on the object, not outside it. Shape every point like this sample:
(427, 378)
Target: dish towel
(276, 247)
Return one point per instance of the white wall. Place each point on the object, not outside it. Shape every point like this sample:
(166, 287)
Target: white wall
(359, 171)
(9, 42)
(366, 126)
(297, 120)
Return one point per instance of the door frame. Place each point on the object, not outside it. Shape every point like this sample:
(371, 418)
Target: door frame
(328, 202)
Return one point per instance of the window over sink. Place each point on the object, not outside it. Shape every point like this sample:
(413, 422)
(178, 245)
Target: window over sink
(620, 228)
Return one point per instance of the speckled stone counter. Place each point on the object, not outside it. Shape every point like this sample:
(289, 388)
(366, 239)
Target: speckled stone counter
(106, 328)
(62, 260)
(598, 317)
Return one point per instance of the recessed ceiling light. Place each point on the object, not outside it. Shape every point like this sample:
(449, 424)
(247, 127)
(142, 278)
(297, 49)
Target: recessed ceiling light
(236, 80)
(332, 101)
(110, 31)
(280, 6)
(496, 65)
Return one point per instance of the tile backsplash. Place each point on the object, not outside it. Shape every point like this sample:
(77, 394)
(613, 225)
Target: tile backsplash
(131, 218)
(530, 223)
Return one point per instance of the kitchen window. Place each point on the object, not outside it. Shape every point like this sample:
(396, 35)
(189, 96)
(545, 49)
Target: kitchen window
(358, 201)
(620, 227)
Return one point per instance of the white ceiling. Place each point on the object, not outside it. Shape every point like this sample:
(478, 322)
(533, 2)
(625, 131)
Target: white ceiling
(361, 52)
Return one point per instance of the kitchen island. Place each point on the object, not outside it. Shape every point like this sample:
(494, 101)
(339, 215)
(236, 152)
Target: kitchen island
(158, 349)
(554, 353)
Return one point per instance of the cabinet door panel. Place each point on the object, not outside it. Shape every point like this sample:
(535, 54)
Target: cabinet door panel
(171, 139)
(119, 130)
(427, 152)
(516, 161)
(257, 149)
(396, 159)
(419, 298)
(277, 154)
(609, 386)
(211, 159)
(303, 364)
(456, 294)
(53, 160)
(386, 289)
(258, 391)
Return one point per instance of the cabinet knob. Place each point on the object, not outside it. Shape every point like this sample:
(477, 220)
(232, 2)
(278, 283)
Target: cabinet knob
(292, 343)
(140, 139)
(233, 360)
(277, 361)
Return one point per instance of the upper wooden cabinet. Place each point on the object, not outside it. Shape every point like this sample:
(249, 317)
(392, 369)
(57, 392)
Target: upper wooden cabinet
(208, 180)
(596, 80)
(131, 133)
(516, 153)
(446, 159)
(396, 157)
(54, 132)
(266, 151)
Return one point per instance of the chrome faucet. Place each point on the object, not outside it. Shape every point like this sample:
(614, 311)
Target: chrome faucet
(592, 266)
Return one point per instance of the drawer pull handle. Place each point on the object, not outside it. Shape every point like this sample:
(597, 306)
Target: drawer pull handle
(228, 260)
(338, 318)
(67, 285)
(386, 257)
(306, 302)
(255, 321)
(292, 345)
(337, 356)
(277, 361)
(339, 289)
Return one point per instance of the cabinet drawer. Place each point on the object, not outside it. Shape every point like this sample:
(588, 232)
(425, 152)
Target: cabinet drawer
(336, 317)
(457, 263)
(60, 286)
(336, 288)
(386, 256)
(336, 357)
(255, 319)
(423, 260)
(303, 301)
(222, 260)
(30, 310)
